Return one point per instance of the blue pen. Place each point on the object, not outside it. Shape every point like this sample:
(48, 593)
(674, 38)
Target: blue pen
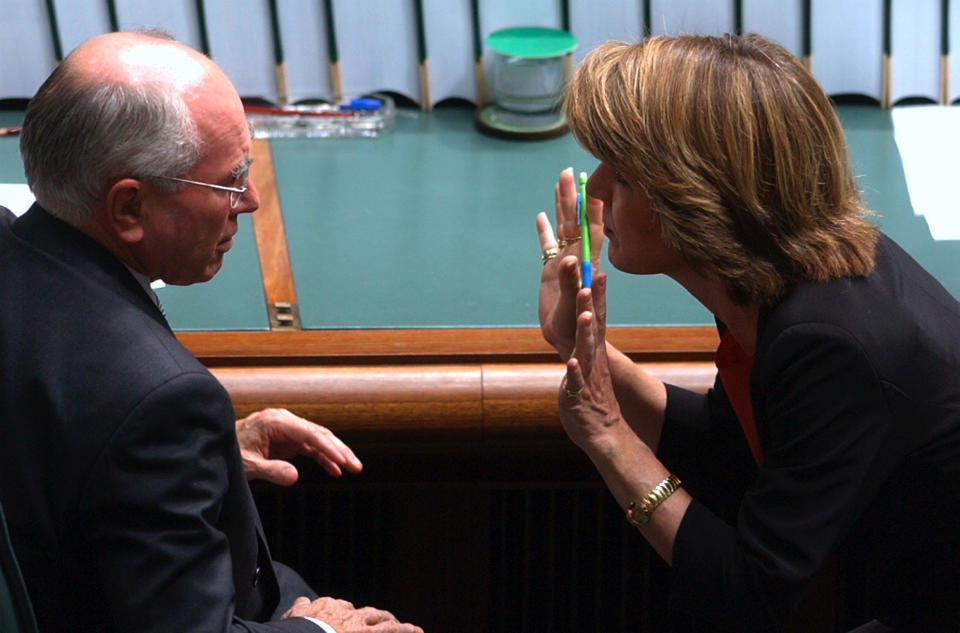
(584, 232)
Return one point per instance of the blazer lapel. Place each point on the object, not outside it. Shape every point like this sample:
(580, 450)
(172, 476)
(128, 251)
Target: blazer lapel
(86, 256)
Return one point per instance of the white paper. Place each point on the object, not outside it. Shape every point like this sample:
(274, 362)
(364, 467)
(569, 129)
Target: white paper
(928, 138)
(16, 197)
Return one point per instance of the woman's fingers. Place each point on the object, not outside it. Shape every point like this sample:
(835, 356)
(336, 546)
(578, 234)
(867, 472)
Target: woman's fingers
(565, 204)
(585, 341)
(545, 232)
(598, 295)
(572, 384)
(557, 305)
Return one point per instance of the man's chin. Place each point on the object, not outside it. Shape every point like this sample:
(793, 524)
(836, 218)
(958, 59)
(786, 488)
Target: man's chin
(199, 278)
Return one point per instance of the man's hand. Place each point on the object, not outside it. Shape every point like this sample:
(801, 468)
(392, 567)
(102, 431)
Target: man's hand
(344, 618)
(269, 437)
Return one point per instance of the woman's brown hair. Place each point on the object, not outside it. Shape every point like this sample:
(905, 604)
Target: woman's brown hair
(740, 151)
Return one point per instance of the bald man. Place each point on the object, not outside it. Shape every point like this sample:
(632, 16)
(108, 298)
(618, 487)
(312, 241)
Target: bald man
(122, 479)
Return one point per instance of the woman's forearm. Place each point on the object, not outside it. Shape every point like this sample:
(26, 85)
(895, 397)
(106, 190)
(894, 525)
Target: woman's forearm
(631, 471)
(642, 398)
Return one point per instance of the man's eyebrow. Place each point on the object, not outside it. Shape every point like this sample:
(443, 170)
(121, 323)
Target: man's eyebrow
(242, 167)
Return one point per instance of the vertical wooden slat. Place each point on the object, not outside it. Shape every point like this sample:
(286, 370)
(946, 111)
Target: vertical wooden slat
(202, 28)
(944, 52)
(278, 287)
(112, 13)
(54, 31)
(333, 51)
(280, 68)
(478, 72)
(886, 87)
(426, 102)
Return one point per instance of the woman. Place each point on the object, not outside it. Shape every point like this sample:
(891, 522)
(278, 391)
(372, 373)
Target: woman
(832, 433)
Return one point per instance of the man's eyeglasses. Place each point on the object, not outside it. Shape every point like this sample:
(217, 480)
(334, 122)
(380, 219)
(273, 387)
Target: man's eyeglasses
(236, 192)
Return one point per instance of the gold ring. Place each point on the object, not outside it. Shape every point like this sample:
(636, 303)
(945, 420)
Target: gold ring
(572, 395)
(564, 242)
(549, 253)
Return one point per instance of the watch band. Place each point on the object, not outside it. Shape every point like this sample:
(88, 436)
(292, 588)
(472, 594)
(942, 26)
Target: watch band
(639, 511)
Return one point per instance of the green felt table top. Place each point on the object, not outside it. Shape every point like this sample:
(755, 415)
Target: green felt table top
(432, 225)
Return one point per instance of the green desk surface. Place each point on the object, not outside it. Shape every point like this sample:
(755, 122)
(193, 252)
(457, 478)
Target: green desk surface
(11, 169)
(432, 226)
(879, 172)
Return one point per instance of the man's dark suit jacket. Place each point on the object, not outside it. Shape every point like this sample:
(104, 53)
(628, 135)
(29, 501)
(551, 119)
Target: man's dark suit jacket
(121, 475)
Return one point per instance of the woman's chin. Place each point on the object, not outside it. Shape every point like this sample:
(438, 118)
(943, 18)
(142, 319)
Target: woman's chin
(625, 264)
(615, 259)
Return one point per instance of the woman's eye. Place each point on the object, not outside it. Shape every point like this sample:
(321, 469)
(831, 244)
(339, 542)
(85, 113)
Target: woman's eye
(618, 177)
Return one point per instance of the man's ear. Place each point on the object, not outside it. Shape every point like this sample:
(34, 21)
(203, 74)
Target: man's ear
(124, 210)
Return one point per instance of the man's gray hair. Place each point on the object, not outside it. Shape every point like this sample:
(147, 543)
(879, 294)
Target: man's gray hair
(82, 134)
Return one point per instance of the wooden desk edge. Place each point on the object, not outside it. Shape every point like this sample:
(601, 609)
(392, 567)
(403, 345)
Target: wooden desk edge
(661, 343)
(475, 382)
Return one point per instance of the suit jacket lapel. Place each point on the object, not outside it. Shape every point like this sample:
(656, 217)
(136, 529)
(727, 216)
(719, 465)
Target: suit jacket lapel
(86, 256)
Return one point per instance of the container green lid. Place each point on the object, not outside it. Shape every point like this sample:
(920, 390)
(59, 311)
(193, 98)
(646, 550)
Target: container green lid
(531, 41)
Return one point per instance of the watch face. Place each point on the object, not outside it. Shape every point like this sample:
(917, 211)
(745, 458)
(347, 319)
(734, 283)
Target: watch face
(636, 516)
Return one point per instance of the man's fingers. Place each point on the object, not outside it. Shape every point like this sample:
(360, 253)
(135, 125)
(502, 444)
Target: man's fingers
(276, 471)
(323, 444)
(373, 616)
(302, 601)
(334, 449)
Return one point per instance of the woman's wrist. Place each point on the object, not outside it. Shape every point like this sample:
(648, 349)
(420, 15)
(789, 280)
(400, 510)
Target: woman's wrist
(610, 443)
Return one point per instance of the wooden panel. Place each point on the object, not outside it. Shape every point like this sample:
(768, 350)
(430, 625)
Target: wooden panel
(689, 344)
(268, 229)
(386, 398)
(483, 397)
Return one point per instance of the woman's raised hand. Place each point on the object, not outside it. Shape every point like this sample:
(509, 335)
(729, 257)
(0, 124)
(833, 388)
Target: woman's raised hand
(560, 279)
(587, 403)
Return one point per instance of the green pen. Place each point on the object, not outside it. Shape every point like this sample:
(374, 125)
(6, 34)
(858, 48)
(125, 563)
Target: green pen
(584, 233)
